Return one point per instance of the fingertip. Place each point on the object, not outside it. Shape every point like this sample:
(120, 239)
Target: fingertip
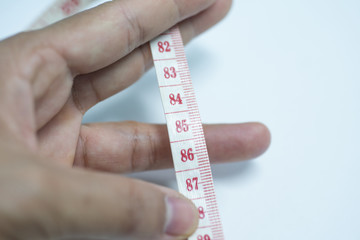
(261, 138)
(211, 16)
(249, 140)
(201, 22)
(181, 217)
(225, 5)
(234, 142)
(197, 5)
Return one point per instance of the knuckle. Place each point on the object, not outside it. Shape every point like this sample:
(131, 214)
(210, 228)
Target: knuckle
(76, 97)
(134, 160)
(85, 94)
(143, 154)
(135, 30)
(131, 212)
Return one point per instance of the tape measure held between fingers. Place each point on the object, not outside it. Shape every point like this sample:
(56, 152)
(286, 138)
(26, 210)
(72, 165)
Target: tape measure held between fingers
(186, 134)
(188, 147)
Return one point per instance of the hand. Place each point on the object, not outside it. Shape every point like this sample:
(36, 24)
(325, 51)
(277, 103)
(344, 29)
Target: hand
(49, 79)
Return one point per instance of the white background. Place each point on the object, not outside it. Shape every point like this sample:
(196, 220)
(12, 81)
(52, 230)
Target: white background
(292, 64)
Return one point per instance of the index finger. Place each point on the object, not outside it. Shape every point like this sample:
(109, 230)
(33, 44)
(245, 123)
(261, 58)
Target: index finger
(100, 36)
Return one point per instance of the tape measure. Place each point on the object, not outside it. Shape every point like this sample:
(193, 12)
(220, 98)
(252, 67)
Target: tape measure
(188, 147)
(60, 9)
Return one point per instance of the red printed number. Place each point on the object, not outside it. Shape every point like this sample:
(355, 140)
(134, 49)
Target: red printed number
(176, 100)
(187, 155)
(69, 6)
(205, 237)
(169, 73)
(164, 46)
(190, 182)
(181, 126)
(201, 212)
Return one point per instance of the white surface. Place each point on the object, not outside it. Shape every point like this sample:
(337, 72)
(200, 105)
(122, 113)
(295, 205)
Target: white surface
(293, 65)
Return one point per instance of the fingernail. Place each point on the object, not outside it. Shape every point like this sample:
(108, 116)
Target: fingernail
(181, 217)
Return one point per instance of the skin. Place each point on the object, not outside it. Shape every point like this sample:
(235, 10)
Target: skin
(57, 176)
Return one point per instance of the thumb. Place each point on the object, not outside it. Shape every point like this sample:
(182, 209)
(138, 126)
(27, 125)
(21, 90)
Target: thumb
(100, 205)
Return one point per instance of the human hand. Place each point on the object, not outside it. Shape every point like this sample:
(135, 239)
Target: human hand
(49, 79)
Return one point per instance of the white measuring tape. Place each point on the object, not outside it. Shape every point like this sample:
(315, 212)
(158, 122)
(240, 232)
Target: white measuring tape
(186, 134)
(190, 156)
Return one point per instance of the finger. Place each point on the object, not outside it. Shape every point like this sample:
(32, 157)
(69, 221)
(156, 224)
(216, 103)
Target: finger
(87, 204)
(100, 36)
(92, 88)
(131, 146)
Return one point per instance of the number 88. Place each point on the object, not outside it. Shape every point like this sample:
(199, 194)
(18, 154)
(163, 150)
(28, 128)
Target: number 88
(206, 237)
